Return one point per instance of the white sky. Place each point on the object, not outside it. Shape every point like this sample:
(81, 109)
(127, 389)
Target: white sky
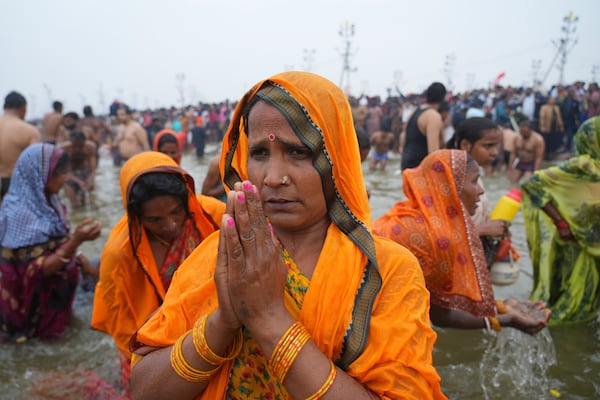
(73, 50)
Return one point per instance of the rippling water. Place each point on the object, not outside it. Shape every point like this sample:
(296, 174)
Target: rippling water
(561, 361)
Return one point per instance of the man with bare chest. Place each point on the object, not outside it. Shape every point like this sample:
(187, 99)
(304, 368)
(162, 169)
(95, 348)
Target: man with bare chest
(131, 137)
(381, 142)
(528, 150)
(82, 157)
(51, 124)
(15, 136)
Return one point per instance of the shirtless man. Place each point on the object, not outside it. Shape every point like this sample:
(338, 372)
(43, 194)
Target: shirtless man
(131, 137)
(15, 136)
(528, 150)
(82, 157)
(51, 124)
(212, 185)
(381, 142)
(424, 130)
(95, 129)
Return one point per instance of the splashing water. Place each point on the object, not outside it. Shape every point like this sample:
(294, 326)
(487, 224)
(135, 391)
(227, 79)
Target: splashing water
(516, 365)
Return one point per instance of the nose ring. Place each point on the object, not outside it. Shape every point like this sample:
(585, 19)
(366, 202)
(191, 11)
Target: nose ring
(285, 180)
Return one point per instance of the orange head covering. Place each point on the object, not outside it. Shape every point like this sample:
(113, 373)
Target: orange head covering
(328, 131)
(436, 227)
(168, 132)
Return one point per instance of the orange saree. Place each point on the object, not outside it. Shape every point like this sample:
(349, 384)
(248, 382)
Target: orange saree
(131, 285)
(396, 360)
(436, 227)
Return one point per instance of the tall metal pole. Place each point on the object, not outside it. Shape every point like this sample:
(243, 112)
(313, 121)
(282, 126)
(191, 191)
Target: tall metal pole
(346, 32)
(564, 45)
(309, 58)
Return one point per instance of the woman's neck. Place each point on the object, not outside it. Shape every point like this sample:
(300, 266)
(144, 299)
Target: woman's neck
(304, 247)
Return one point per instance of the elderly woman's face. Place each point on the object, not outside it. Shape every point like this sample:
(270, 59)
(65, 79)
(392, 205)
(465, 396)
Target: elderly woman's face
(294, 203)
(472, 190)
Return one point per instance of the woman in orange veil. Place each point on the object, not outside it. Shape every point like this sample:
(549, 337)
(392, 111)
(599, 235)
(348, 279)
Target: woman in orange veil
(435, 224)
(294, 298)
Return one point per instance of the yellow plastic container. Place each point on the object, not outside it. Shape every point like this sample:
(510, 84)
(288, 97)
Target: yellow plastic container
(508, 206)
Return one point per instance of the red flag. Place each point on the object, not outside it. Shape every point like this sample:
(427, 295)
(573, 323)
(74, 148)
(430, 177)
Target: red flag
(499, 77)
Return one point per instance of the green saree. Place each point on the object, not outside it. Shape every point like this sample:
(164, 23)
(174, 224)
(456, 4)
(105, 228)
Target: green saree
(567, 273)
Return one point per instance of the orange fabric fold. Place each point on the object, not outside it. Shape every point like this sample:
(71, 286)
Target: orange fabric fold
(130, 286)
(435, 226)
(397, 359)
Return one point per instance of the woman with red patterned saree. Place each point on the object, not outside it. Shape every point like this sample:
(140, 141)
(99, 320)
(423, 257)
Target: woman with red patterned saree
(435, 224)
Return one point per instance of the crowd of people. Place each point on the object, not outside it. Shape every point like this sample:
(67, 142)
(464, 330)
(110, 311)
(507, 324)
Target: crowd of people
(273, 281)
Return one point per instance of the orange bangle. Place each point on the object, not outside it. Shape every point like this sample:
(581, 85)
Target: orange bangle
(204, 351)
(327, 384)
(287, 349)
(495, 324)
(182, 368)
(500, 306)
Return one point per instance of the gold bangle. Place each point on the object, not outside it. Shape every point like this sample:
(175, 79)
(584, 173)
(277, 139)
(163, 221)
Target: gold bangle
(500, 306)
(287, 349)
(327, 384)
(183, 368)
(495, 324)
(204, 351)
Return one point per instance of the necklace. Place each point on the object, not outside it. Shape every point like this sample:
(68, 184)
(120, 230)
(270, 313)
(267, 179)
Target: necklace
(162, 241)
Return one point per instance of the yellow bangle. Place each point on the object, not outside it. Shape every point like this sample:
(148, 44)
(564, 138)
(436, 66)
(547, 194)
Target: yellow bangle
(287, 349)
(183, 368)
(327, 384)
(204, 351)
(495, 324)
(500, 306)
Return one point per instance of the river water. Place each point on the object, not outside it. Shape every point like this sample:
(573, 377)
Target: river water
(558, 362)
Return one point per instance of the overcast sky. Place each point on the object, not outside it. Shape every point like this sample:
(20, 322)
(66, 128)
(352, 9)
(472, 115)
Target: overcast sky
(89, 52)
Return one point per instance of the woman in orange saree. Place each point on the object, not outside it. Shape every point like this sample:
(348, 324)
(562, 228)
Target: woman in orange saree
(435, 224)
(164, 223)
(294, 298)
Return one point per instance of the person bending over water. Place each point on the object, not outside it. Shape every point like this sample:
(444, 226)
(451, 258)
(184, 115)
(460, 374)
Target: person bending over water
(38, 258)
(435, 224)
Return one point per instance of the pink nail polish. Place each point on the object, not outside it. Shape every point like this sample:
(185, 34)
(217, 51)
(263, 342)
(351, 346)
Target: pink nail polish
(247, 186)
(230, 222)
(241, 197)
(254, 189)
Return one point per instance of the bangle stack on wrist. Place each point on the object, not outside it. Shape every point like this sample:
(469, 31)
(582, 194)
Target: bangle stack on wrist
(191, 374)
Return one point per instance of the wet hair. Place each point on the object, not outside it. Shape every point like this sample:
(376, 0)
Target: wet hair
(87, 111)
(471, 130)
(167, 139)
(14, 100)
(77, 135)
(435, 93)
(57, 106)
(125, 108)
(72, 114)
(62, 165)
(526, 124)
(444, 107)
(363, 139)
(154, 184)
